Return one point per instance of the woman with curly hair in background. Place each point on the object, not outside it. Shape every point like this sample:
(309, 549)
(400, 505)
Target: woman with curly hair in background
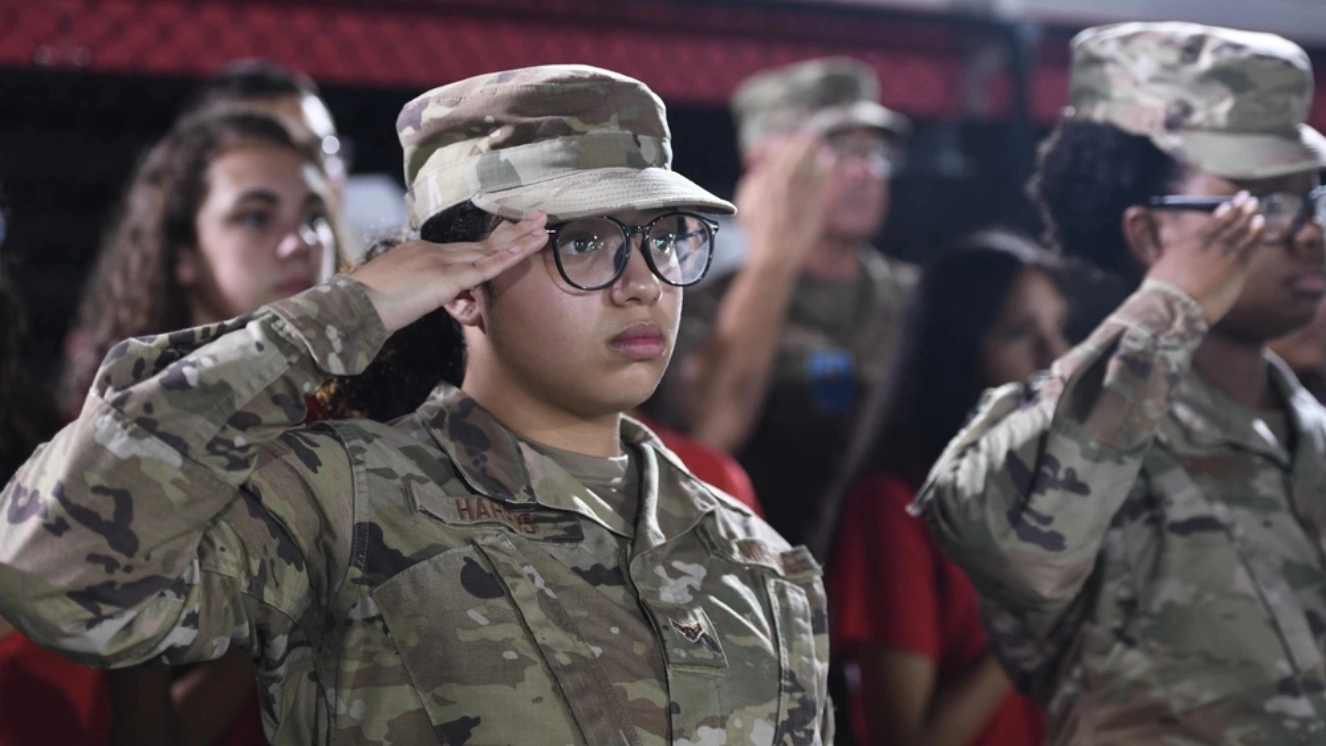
(229, 212)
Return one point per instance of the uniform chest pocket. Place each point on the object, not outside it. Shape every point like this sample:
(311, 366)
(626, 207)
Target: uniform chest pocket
(1214, 612)
(471, 655)
(767, 678)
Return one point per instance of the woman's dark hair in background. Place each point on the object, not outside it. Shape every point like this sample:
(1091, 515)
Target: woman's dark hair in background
(27, 411)
(247, 80)
(1087, 174)
(132, 290)
(937, 374)
(419, 357)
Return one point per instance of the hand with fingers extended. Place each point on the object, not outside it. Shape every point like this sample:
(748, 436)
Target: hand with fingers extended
(780, 201)
(1212, 265)
(419, 277)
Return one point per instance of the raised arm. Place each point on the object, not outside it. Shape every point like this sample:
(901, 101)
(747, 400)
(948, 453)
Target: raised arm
(1022, 498)
(102, 530)
(142, 530)
(726, 378)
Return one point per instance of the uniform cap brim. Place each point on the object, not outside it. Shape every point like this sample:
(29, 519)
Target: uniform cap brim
(603, 191)
(860, 114)
(1235, 155)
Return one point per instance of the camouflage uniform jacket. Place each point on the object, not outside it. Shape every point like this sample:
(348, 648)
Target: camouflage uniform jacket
(404, 584)
(1148, 553)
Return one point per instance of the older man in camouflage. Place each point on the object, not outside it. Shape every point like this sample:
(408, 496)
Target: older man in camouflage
(776, 358)
(440, 580)
(1145, 521)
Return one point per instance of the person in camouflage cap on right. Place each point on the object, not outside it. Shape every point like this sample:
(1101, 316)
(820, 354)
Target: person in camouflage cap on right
(512, 561)
(1145, 520)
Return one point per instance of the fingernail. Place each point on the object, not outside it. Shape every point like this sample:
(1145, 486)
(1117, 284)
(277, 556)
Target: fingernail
(1257, 223)
(1224, 209)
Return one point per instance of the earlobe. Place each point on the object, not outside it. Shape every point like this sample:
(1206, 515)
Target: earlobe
(187, 271)
(1142, 234)
(465, 309)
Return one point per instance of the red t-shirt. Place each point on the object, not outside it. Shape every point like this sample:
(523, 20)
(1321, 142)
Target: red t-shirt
(891, 586)
(48, 700)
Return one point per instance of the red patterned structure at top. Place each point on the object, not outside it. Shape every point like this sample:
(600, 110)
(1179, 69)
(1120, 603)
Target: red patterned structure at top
(689, 51)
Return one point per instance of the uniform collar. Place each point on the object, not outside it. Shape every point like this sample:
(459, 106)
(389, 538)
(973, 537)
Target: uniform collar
(1205, 418)
(493, 462)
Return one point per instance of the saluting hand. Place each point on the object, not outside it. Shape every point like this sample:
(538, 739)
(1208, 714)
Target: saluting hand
(780, 202)
(419, 277)
(1211, 265)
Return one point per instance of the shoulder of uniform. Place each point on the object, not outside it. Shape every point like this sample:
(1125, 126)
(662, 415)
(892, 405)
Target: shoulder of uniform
(908, 274)
(728, 502)
(738, 522)
(890, 271)
(724, 501)
(403, 443)
(903, 272)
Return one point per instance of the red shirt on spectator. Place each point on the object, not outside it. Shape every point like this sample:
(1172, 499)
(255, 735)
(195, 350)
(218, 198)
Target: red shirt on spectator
(45, 699)
(891, 586)
(48, 700)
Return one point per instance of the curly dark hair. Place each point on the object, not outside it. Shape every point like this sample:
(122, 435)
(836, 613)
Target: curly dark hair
(429, 351)
(1087, 174)
(132, 291)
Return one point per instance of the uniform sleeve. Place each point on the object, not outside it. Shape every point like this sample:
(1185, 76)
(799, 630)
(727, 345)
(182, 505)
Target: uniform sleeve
(1022, 498)
(183, 508)
(884, 580)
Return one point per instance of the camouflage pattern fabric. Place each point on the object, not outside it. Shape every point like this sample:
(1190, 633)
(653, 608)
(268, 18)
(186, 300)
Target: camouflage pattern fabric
(1149, 552)
(1233, 102)
(416, 583)
(826, 95)
(570, 140)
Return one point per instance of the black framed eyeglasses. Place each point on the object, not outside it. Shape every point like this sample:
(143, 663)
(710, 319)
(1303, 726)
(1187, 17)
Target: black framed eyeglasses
(1285, 212)
(592, 253)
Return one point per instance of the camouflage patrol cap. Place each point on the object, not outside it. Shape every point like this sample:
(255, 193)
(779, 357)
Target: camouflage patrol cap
(570, 140)
(828, 94)
(1234, 103)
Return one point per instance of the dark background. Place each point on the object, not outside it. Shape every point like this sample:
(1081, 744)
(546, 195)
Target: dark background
(87, 85)
(69, 140)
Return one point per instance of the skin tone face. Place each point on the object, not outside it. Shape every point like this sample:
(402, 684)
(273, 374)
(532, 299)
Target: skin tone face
(576, 355)
(857, 189)
(1029, 334)
(262, 232)
(1286, 277)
